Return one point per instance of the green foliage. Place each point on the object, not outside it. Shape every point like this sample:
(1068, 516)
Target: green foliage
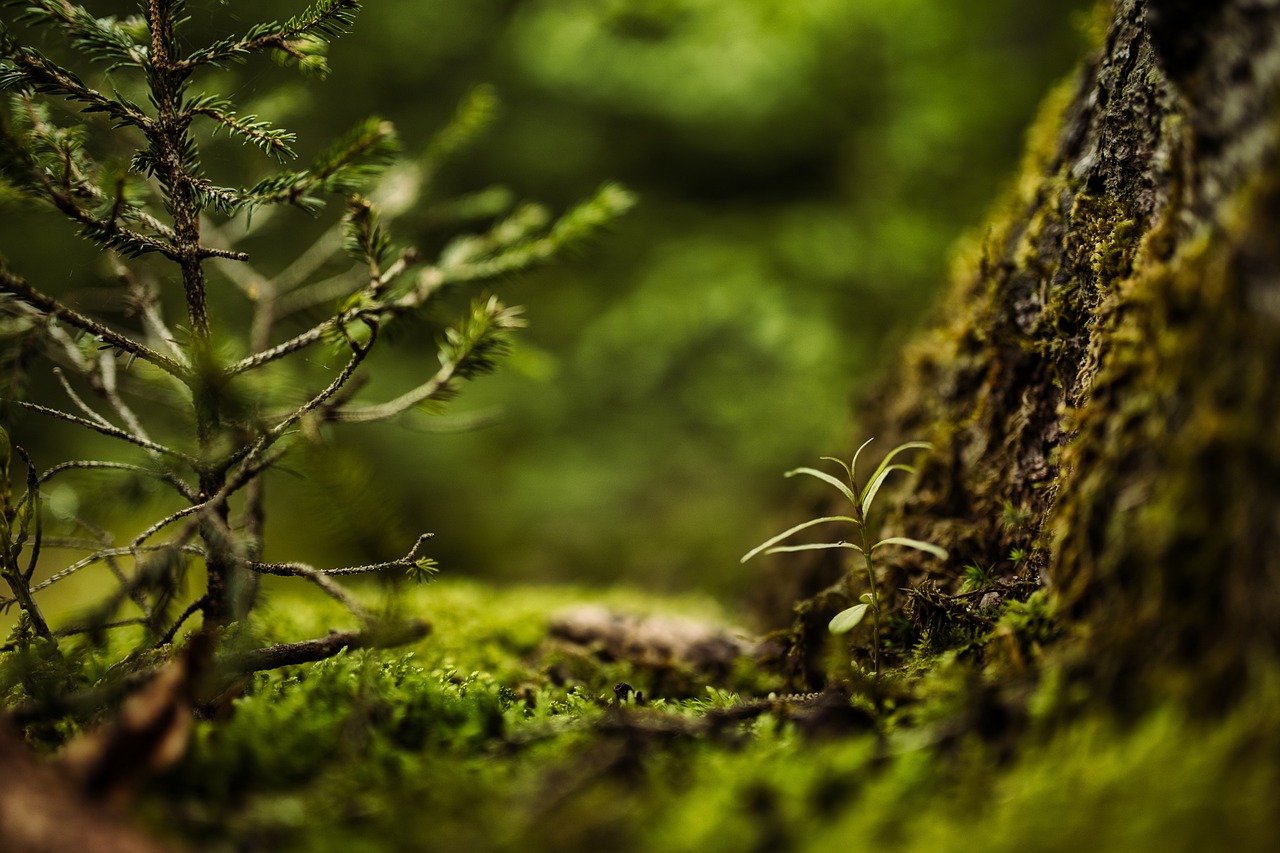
(861, 498)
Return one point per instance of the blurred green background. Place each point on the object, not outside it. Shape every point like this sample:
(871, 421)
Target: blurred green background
(802, 167)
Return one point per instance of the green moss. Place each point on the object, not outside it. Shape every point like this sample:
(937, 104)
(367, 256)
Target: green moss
(401, 751)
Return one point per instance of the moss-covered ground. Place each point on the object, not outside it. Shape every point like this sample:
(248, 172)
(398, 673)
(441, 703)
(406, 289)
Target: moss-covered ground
(488, 736)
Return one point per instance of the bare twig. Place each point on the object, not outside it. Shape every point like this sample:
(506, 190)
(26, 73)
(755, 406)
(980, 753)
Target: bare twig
(405, 562)
(319, 578)
(76, 630)
(181, 486)
(106, 430)
(302, 341)
(359, 353)
(105, 553)
(15, 285)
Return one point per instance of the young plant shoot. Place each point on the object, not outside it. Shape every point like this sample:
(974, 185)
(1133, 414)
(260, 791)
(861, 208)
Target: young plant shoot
(861, 500)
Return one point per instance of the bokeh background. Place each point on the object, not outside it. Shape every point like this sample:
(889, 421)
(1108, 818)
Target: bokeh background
(802, 168)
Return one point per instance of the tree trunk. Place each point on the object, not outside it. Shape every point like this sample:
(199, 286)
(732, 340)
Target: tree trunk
(1103, 387)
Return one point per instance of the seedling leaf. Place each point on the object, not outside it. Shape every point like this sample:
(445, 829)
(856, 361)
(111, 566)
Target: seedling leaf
(853, 466)
(764, 546)
(847, 470)
(869, 495)
(846, 620)
(827, 478)
(817, 546)
(910, 445)
(927, 547)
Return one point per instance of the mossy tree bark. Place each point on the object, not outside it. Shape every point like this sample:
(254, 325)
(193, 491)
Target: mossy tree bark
(1103, 388)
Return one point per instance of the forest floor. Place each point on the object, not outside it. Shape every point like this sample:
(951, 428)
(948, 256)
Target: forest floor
(516, 725)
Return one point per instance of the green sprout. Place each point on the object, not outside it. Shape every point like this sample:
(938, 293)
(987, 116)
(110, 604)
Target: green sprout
(977, 577)
(861, 499)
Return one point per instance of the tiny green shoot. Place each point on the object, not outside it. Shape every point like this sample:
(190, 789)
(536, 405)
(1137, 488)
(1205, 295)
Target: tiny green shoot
(860, 499)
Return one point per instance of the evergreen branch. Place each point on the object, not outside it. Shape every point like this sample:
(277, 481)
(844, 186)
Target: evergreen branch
(327, 18)
(42, 181)
(363, 237)
(469, 349)
(273, 141)
(15, 285)
(113, 432)
(100, 39)
(508, 248)
(341, 169)
(110, 234)
(33, 71)
(474, 115)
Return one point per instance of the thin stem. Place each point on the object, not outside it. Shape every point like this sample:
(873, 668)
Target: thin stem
(400, 563)
(871, 575)
(180, 485)
(172, 632)
(272, 435)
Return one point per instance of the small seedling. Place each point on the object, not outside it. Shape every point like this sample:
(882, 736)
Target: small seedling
(861, 500)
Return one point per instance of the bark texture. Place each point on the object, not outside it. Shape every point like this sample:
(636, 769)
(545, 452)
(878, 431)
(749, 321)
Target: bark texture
(1103, 385)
